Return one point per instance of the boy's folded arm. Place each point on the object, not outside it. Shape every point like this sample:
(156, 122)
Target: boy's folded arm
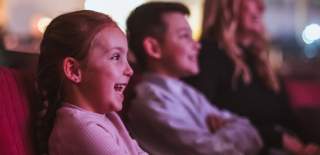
(242, 134)
(180, 132)
(236, 129)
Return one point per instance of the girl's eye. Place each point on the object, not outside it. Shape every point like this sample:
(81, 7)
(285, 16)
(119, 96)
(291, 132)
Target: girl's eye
(183, 35)
(115, 57)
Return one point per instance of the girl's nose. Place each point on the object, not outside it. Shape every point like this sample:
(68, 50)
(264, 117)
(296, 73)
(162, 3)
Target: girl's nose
(128, 71)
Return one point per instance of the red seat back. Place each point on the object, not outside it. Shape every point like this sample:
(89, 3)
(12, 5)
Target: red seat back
(304, 96)
(304, 93)
(15, 119)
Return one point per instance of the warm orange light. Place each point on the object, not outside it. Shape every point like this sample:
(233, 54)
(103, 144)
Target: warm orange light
(43, 23)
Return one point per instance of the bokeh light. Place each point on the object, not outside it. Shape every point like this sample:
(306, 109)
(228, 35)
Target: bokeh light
(43, 23)
(116, 9)
(311, 33)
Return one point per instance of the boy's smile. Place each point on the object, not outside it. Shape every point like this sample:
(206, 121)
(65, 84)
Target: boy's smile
(179, 50)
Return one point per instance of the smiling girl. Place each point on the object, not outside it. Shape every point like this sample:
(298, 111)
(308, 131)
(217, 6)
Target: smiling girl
(82, 73)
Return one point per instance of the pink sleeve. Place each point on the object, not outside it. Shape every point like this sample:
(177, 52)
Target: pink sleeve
(94, 139)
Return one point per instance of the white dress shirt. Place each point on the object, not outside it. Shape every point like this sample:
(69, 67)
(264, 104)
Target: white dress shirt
(168, 117)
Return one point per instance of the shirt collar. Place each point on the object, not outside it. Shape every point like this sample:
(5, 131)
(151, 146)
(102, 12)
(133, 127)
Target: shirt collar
(69, 105)
(174, 84)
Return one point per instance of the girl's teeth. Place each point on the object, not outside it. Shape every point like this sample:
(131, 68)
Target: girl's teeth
(119, 87)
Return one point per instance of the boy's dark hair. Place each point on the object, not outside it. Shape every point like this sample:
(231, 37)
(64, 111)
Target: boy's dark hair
(146, 20)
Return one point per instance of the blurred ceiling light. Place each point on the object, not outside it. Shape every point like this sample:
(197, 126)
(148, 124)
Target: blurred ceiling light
(43, 23)
(118, 10)
(311, 33)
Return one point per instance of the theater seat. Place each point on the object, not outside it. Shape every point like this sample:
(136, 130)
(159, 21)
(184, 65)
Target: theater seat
(304, 96)
(18, 102)
(15, 116)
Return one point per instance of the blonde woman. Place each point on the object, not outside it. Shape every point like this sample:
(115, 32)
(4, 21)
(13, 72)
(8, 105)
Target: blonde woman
(235, 72)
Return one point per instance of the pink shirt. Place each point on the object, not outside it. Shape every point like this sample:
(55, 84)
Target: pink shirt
(80, 132)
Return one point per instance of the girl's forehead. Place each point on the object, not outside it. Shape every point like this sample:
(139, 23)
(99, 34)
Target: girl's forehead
(110, 37)
(106, 34)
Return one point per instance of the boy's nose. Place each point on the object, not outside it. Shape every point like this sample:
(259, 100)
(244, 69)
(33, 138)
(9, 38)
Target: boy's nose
(197, 46)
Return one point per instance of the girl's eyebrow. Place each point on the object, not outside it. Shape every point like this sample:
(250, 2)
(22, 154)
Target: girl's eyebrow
(120, 49)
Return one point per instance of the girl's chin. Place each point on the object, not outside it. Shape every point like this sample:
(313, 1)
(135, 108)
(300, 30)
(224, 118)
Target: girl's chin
(118, 105)
(113, 106)
(118, 108)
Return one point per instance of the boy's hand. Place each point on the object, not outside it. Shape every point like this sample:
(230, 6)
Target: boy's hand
(291, 143)
(215, 122)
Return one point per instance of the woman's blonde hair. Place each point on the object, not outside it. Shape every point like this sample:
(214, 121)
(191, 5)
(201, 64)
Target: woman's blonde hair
(221, 23)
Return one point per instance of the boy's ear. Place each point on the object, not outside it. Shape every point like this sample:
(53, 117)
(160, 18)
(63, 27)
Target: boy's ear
(152, 47)
(72, 70)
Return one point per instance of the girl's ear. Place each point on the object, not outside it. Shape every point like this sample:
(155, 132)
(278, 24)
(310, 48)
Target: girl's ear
(152, 47)
(72, 70)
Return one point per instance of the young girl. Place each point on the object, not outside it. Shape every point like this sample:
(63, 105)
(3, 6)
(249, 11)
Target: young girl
(82, 73)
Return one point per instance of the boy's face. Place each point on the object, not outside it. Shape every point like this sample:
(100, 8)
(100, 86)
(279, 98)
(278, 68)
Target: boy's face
(106, 72)
(179, 50)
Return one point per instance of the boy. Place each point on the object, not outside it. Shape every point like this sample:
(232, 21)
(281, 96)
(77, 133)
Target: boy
(167, 116)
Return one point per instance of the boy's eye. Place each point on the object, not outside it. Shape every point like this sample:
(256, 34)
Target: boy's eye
(185, 35)
(115, 57)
